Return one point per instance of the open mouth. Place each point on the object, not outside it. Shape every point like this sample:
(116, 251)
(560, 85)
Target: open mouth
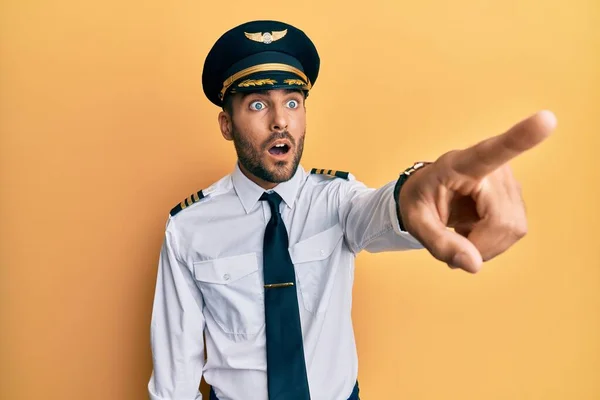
(279, 149)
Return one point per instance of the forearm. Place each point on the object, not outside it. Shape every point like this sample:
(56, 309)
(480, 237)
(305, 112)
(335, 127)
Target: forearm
(370, 220)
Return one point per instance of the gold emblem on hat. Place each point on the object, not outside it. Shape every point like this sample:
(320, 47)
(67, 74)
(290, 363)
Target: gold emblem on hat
(294, 82)
(257, 82)
(266, 37)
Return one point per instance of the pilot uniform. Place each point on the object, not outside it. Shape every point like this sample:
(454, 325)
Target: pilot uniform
(267, 336)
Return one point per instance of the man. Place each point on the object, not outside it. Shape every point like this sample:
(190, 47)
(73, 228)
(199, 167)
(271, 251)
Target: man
(262, 261)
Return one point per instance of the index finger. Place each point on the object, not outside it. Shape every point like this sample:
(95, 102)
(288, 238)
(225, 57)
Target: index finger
(486, 156)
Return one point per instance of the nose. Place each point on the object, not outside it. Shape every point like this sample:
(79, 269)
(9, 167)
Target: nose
(279, 121)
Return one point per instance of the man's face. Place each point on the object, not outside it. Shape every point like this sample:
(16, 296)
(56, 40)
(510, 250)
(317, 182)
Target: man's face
(268, 130)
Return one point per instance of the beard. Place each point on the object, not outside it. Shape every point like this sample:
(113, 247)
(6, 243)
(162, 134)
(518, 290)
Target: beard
(250, 156)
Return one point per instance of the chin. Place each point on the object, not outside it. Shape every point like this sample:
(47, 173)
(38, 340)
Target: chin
(282, 171)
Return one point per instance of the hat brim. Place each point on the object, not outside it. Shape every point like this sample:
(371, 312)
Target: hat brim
(268, 80)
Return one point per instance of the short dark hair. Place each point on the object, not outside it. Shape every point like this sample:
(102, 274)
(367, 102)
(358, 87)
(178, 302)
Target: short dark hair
(228, 105)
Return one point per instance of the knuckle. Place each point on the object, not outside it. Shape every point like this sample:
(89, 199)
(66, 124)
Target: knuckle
(449, 155)
(520, 230)
(446, 160)
(516, 228)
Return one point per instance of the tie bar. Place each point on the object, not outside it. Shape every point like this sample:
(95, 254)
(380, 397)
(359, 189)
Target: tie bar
(278, 285)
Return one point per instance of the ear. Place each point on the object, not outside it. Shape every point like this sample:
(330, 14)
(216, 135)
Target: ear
(226, 125)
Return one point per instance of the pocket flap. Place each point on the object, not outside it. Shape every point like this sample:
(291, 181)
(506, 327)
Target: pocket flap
(225, 270)
(316, 247)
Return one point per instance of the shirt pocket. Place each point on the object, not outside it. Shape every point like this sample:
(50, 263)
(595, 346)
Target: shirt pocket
(316, 264)
(232, 292)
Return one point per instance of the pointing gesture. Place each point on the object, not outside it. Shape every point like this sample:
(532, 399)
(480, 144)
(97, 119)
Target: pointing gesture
(474, 192)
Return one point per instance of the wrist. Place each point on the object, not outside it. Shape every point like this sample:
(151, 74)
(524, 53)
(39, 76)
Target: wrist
(400, 183)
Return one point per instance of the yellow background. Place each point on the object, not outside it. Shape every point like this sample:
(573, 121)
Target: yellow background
(104, 128)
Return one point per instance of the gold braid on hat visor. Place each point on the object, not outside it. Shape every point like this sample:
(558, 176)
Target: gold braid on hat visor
(262, 68)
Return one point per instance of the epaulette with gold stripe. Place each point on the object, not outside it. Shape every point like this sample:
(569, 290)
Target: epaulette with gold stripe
(339, 174)
(194, 198)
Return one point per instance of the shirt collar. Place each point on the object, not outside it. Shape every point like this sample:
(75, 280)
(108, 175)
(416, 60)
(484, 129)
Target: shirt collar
(249, 192)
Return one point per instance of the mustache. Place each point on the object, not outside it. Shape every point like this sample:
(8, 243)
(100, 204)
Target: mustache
(276, 136)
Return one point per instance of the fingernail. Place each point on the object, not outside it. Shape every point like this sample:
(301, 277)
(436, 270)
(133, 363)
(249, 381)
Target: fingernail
(460, 260)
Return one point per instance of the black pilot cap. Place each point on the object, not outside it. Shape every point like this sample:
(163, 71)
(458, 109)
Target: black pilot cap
(260, 55)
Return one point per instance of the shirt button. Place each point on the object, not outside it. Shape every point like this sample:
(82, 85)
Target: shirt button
(322, 252)
(226, 277)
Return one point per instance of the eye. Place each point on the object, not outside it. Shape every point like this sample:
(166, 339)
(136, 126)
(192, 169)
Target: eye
(292, 104)
(257, 105)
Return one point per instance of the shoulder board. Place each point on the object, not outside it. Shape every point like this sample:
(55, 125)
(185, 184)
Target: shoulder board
(194, 198)
(331, 172)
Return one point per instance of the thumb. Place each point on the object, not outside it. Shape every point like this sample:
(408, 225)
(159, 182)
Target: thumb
(443, 243)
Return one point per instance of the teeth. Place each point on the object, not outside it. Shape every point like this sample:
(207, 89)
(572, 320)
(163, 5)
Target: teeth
(279, 145)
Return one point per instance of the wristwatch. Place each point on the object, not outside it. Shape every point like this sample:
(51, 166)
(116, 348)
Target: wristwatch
(403, 177)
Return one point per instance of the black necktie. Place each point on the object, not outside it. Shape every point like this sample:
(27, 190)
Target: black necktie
(286, 368)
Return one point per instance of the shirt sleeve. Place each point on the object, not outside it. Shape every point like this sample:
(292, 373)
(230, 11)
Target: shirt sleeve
(176, 329)
(369, 218)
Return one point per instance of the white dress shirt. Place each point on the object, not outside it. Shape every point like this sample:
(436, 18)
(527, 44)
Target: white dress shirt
(210, 282)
